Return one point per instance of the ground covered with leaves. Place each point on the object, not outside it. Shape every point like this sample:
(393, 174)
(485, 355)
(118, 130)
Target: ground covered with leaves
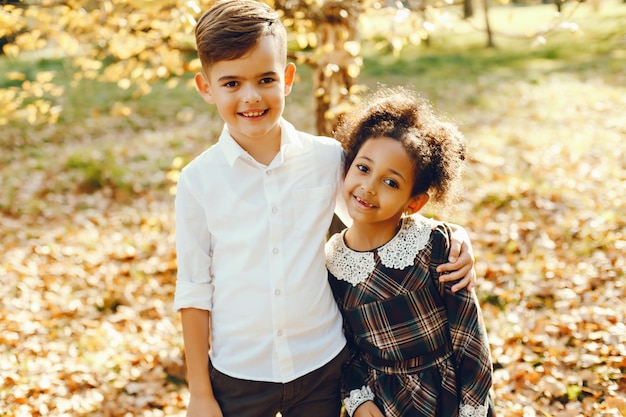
(87, 261)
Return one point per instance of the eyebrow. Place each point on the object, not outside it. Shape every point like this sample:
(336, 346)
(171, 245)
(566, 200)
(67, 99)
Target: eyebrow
(235, 77)
(393, 171)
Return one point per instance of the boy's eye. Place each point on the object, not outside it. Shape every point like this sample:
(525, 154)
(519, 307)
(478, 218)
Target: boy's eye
(362, 168)
(391, 183)
(267, 80)
(231, 84)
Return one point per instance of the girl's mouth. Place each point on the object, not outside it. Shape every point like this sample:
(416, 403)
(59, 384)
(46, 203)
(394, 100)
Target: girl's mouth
(363, 203)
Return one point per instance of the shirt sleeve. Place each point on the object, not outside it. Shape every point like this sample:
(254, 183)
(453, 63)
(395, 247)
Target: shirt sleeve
(341, 209)
(194, 283)
(468, 334)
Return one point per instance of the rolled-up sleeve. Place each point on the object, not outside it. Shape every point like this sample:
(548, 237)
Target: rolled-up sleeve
(194, 283)
(193, 295)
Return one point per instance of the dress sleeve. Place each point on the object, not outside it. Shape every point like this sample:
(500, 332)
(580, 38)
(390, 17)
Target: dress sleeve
(468, 336)
(354, 390)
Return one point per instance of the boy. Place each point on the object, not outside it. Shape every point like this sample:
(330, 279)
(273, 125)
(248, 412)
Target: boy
(251, 219)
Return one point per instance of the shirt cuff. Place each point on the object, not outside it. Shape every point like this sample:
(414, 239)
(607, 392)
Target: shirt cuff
(193, 295)
(356, 398)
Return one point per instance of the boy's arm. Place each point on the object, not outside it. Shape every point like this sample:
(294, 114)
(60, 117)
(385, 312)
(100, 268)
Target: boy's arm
(193, 297)
(196, 338)
(460, 261)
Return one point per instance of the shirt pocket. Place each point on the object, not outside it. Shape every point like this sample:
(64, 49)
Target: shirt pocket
(313, 207)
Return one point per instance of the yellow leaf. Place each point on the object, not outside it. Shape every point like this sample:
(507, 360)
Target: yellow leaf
(15, 76)
(354, 70)
(353, 47)
(119, 109)
(11, 49)
(124, 83)
(302, 40)
(45, 76)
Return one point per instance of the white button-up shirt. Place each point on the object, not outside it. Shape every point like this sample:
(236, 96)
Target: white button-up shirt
(250, 249)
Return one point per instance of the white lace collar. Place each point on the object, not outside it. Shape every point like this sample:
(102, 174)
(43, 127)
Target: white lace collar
(400, 252)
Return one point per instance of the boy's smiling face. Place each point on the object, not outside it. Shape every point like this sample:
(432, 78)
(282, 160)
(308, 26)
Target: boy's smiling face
(249, 92)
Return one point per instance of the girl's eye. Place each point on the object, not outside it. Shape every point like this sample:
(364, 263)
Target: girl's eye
(362, 168)
(391, 183)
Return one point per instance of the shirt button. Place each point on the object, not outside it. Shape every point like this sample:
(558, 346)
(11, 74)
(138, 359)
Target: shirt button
(274, 210)
(280, 332)
(275, 251)
(277, 292)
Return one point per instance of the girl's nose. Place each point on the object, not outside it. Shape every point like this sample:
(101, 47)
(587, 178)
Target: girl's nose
(368, 188)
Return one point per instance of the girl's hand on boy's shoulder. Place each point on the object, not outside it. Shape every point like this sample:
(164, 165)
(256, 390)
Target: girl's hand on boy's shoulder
(201, 406)
(367, 409)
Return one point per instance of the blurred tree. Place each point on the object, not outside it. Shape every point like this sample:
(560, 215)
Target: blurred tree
(327, 36)
(135, 43)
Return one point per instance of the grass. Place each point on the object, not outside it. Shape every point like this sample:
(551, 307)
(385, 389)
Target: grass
(459, 56)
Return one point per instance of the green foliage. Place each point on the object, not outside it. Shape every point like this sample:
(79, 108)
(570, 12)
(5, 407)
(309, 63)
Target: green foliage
(98, 170)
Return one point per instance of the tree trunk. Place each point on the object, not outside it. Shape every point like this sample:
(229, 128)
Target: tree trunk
(468, 9)
(337, 63)
(490, 43)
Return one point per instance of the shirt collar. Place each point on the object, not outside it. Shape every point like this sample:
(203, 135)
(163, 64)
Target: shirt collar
(289, 136)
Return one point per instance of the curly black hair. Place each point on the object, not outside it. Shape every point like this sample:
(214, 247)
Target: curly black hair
(435, 145)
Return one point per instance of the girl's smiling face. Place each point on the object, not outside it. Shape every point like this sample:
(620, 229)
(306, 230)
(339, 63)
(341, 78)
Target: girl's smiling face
(379, 182)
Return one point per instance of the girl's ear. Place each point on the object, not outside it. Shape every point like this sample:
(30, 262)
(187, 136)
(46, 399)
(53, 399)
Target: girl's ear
(204, 88)
(290, 77)
(416, 203)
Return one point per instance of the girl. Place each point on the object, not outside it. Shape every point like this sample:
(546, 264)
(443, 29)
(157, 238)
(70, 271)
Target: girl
(418, 348)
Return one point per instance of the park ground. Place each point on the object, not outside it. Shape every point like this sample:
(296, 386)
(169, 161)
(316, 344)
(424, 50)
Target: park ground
(87, 260)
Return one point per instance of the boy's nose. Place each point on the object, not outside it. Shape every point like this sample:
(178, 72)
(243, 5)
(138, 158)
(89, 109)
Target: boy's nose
(251, 95)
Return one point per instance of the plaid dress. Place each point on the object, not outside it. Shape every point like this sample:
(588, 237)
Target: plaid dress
(418, 349)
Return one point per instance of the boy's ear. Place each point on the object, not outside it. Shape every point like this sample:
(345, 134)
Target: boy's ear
(290, 77)
(204, 88)
(416, 203)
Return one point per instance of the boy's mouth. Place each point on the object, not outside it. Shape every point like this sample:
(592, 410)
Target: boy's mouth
(257, 113)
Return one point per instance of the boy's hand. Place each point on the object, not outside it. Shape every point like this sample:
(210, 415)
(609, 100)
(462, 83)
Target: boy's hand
(461, 261)
(203, 406)
(367, 409)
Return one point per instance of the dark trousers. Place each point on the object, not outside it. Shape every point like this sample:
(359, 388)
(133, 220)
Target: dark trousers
(316, 394)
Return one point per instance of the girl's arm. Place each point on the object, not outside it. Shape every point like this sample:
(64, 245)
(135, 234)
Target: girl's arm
(355, 394)
(468, 336)
(196, 338)
(368, 409)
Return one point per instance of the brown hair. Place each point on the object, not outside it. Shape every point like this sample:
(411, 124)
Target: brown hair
(231, 28)
(436, 147)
